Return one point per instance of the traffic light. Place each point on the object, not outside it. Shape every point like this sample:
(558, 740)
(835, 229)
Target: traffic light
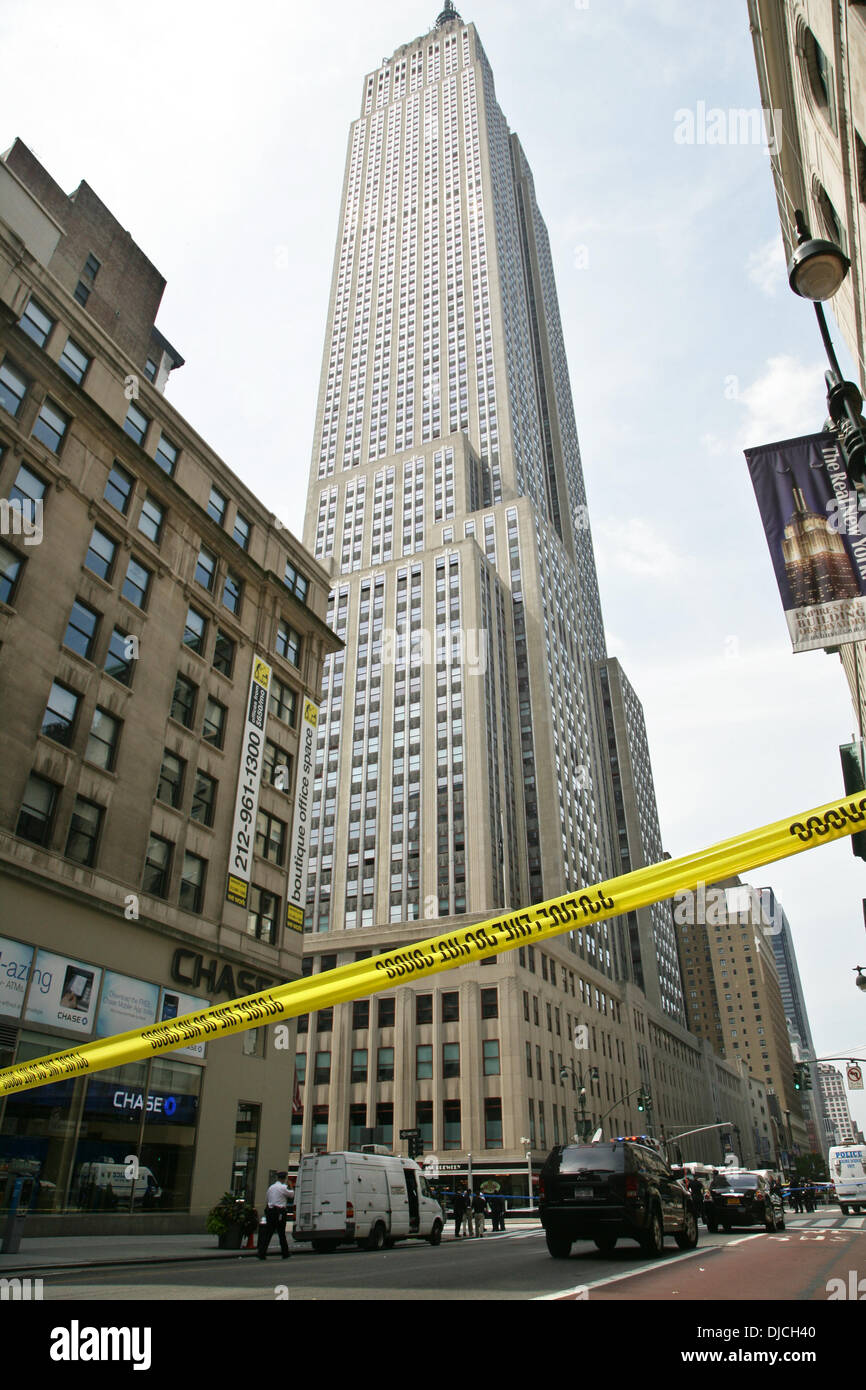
(798, 1077)
(416, 1146)
(641, 1101)
(805, 1076)
(855, 784)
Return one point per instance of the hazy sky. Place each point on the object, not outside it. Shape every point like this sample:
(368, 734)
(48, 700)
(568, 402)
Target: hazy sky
(217, 135)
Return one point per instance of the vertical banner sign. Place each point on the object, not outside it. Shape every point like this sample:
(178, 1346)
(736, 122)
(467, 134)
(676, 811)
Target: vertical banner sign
(300, 841)
(816, 531)
(249, 781)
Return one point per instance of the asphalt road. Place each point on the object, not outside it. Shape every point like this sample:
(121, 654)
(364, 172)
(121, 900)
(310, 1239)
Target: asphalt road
(744, 1265)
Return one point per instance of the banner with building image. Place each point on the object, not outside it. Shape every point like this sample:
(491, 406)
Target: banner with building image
(816, 530)
(249, 781)
(299, 845)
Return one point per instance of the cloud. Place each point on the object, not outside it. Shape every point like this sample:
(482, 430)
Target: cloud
(634, 546)
(766, 267)
(787, 401)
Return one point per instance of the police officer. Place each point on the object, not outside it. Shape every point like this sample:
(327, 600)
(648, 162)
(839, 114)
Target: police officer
(278, 1201)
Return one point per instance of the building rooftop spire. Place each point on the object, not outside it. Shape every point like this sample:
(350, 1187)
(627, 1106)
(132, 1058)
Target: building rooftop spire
(449, 12)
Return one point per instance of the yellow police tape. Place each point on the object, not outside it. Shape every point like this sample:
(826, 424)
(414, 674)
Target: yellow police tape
(453, 948)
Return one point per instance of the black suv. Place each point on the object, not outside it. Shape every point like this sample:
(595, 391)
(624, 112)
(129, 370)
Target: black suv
(603, 1191)
(743, 1199)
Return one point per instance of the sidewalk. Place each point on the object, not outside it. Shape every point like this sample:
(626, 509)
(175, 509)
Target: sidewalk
(45, 1253)
(86, 1252)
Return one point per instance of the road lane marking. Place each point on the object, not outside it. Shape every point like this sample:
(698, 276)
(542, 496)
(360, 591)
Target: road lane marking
(630, 1274)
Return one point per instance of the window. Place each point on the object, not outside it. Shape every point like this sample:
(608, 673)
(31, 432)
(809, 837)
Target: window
(82, 293)
(360, 1014)
(232, 590)
(192, 882)
(118, 662)
(277, 766)
(37, 810)
(288, 644)
(183, 701)
(195, 631)
(166, 455)
(322, 1074)
(58, 721)
(28, 489)
(102, 740)
(136, 423)
(492, 1123)
(36, 323)
(91, 266)
(118, 488)
(423, 1008)
(491, 1056)
(151, 519)
(203, 798)
(205, 569)
(216, 506)
(262, 914)
(270, 837)
(169, 788)
(150, 369)
(282, 701)
(386, 1013)
(100, 554)
(241, 532)
(223, 653)
(325, 1020)
(51, 425)
(451, 1007)
(157, 866)
(136, 584)
(13, 388)
(10, 572)
(490, 1003)
(451, 1124)
(424, 1061)
(359, 1064)
(295, 582)
(214, 726)
(84, 830)
(450, 1059)
(81, 629)
(385, 1064)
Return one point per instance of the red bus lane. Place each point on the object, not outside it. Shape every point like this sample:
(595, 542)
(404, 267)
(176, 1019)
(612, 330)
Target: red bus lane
(796, 1266)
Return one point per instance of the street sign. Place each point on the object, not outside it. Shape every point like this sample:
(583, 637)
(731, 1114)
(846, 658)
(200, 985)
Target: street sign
(410, 1134)
(855, 1076)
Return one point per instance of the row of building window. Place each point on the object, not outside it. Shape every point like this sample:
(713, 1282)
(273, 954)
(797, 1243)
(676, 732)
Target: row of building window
(385, 1063)
(384, 1124)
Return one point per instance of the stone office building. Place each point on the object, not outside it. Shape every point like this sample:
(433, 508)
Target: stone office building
(142, 588)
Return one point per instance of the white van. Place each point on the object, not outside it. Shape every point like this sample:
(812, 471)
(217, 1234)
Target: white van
(373, 1199)
(113, 1175)
(848, 1173)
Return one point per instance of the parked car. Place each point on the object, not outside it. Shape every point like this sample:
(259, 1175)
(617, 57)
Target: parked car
(605, 1191)
(742, 1198)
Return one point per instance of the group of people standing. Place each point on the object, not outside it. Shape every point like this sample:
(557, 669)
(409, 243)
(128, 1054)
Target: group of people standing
(471, 1208)
(802, 1198)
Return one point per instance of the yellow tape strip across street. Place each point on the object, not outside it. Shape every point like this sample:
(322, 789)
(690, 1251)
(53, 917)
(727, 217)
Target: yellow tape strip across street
(453, 948)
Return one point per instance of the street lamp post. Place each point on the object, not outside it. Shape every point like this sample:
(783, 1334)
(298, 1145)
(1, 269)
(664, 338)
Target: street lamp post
(567, 1067)
(524, 1140)
(816, 272)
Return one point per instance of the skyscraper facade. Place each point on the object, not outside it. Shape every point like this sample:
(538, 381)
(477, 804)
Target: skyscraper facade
(461, 759)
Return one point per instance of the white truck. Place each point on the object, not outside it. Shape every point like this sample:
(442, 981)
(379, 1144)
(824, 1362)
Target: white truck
(372, 1199)
(114, 1175)
(848, 1174)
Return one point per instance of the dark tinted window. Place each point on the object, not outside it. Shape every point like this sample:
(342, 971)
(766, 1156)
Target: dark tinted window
(743, 1182)
(594, 1158)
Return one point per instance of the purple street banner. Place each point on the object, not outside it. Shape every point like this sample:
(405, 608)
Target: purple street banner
(816, 531)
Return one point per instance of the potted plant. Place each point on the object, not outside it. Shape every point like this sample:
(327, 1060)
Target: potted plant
(231, 1220)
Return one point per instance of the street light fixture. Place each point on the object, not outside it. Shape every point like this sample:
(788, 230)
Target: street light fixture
(860, 982)
(584, 1124)
(816, 272)
(524, 1140)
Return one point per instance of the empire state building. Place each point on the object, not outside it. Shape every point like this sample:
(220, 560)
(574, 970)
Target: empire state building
(463, 761)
